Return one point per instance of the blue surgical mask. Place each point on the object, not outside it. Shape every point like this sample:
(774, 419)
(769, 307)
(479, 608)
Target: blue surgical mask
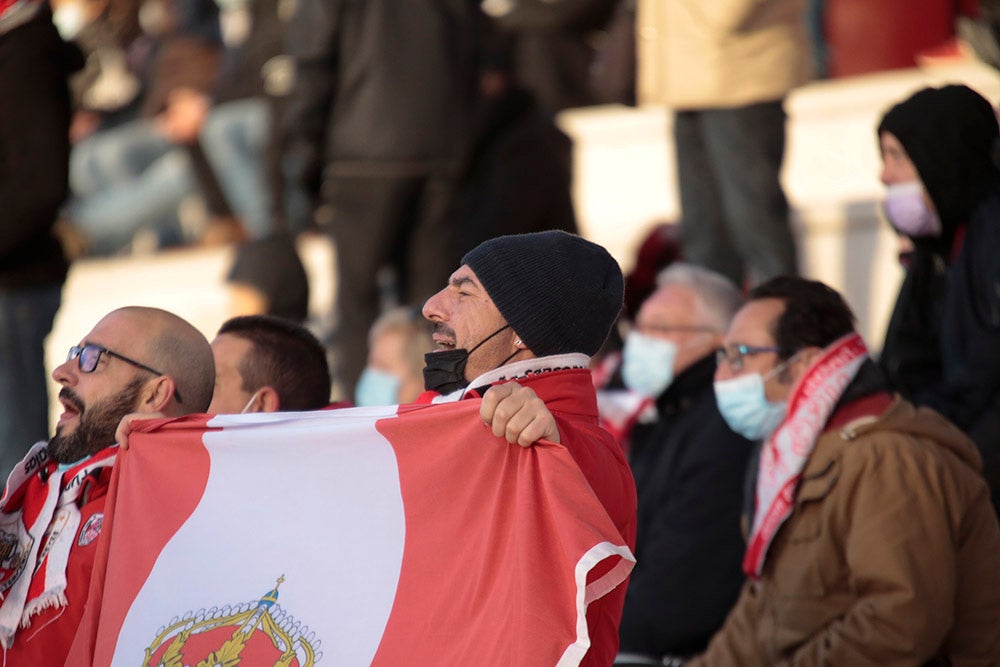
(648, 364)
(376, 387)
(745, 407)
(907, 210)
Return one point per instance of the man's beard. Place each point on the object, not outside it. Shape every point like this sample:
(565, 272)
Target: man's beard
(97, 426)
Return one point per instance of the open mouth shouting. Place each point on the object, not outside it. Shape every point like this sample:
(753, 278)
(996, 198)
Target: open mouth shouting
(72, 405)
(443, 337)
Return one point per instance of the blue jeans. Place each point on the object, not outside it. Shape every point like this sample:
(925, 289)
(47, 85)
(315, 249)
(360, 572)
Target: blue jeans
(234, 138)
(26, 317)
(125, 179)
(734, 215)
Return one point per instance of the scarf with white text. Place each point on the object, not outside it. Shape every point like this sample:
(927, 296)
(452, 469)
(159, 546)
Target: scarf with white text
(785, 453)
(39, 517)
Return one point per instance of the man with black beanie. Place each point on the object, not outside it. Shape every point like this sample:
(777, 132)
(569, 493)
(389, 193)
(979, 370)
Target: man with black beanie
(942, 347)
(520, 318)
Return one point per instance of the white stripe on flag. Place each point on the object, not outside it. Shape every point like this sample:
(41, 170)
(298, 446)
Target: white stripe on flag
(230, 555)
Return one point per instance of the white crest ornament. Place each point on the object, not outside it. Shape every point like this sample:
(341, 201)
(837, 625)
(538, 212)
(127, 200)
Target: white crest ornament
(13, 555)
(91, 530)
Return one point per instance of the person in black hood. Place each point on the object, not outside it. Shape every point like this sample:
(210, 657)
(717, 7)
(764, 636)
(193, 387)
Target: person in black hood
(942, 346)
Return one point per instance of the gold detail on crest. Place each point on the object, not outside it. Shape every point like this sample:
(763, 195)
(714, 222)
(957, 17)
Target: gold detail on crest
(290, 639)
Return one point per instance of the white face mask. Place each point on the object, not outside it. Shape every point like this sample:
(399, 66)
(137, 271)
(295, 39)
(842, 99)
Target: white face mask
(648, 364)
(906, 208)
(69, 20)
(743, 404)
(745, 407)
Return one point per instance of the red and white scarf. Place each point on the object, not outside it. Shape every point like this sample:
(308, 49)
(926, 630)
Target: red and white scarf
(785, 453)
(39, 517)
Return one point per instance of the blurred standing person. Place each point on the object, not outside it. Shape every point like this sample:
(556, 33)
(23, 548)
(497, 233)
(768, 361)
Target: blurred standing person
(553, 46)
(725, 68)
(34, 163)
(516, 172)
(377, 118)
(942, 346)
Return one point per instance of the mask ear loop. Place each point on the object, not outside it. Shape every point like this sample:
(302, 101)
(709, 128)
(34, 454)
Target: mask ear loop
(510, 356)
(781, 368)
(246, 408)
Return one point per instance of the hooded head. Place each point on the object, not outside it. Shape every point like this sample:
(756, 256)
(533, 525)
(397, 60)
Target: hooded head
(949, 134)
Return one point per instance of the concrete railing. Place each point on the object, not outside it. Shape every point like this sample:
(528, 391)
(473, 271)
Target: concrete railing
(626, 180)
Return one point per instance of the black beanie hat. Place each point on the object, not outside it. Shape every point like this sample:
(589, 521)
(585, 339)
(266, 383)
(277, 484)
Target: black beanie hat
(949, 134)
(560, 293)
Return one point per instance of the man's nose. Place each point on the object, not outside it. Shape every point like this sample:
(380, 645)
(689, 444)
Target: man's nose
(64, 372)
(432, 309)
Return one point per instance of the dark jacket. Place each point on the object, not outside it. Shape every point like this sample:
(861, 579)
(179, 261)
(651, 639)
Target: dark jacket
(553, 47)
(187, 56)
(34, 150)
(943, 343)
(911, 353)
(383, 87)
(517, 173)
(689, 469)
(969, 392)
(243, 70)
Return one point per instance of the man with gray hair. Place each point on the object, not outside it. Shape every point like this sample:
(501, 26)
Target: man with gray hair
(689, 468)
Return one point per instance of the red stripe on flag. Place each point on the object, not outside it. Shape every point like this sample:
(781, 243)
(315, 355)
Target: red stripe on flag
(181, 477)
(505, 589)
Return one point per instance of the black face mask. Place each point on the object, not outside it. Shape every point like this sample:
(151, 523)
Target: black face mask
(444, 372)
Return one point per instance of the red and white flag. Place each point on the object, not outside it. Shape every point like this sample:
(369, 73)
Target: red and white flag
(346, 537)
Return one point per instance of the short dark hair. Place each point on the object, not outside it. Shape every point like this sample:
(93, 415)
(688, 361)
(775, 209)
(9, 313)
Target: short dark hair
(285, 356)
(815, 314)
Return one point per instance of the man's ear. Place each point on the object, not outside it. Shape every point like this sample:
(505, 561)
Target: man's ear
(268, 400)
(157, 395)
(802, 361)
(516, 340)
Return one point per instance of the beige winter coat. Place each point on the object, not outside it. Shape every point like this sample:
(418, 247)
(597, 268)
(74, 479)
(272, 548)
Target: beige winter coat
(701, 54)
(891, 556)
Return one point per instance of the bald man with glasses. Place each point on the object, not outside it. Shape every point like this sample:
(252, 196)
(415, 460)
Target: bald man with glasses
(134, 360)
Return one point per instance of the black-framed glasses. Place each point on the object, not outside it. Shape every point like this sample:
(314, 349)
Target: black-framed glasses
(733, 354)
(88, 356)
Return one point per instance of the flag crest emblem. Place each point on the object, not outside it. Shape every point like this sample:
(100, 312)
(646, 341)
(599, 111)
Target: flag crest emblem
(256, 632)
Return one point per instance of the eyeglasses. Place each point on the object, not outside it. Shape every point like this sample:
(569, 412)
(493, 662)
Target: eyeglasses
(89, 356)
(667, 329)
(734, 354)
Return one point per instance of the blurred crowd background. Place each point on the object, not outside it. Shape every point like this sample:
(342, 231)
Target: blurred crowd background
(329, 161)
